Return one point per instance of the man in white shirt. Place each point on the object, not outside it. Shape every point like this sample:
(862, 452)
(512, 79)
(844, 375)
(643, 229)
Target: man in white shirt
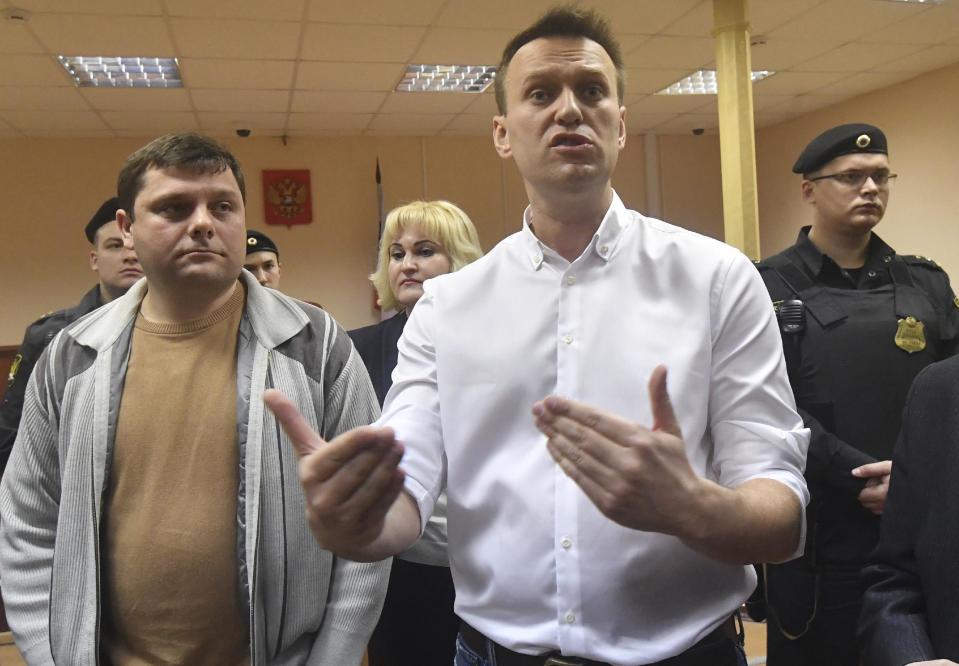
(612, 525)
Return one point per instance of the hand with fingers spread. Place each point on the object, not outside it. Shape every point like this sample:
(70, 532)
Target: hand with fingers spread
(873, 495)
(637, 476)
(351, 483)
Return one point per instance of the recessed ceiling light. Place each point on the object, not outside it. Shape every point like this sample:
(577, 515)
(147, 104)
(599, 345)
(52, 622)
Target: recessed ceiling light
(447, 78)
(703, 82)
(122, 72)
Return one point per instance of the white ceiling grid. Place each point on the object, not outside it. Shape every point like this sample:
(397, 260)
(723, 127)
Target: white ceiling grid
(319, 67)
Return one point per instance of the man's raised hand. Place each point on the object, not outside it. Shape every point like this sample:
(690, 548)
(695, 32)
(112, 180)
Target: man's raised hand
(350, 482)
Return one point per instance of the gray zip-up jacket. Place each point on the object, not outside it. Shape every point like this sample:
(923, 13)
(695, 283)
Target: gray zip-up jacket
(305, 605)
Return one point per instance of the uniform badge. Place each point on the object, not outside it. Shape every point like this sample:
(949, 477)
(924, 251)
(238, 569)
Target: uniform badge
(911, 335)
(955, 301)
(13, 369)
(863, 141)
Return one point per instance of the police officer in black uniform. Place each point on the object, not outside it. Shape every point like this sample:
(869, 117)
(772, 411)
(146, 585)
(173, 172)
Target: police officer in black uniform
(858, 323)
(117, 269)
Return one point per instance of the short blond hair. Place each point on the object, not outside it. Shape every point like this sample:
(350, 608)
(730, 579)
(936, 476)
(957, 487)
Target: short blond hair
(442, 222)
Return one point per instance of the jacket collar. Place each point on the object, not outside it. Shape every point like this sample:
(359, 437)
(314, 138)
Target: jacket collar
(816, 261)
(275, 317)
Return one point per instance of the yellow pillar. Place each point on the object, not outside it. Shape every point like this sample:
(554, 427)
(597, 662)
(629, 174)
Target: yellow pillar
(736, 131)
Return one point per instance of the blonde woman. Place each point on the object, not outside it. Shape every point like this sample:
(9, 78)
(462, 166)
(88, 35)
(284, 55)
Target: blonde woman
(421, 240)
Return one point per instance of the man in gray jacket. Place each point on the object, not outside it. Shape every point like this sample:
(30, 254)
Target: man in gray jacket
(151, 510)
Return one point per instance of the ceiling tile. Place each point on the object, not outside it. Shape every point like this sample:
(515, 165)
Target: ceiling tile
(761, 102)
(769, 118)
(112, 7)
(938, 23)
(666, 51)
(73, 34)
(926, 60)
(768, 15)
(858, 57)
(408, 12)
(213, 120)
(863, 82)
(42, 98)
(652, 80)
(684, 123)
(646, 17)
(463, 46)
(805, 103)
(485, 104)
(275, 10)
(844, 20)
(359, 43)
(53, 120)
(427, 122)
(780, 54)
(646, 121)
(671, 104)
(173, 99)
(698, 22)
(308, 101)
(16, 39)
(795, 83)
(435, 102)
(33, 70)
(254, 74)
(508, 14)
(330, 121)
(477, 123)
(242, 100)
(154, 122)
(77, 133)
(348, 76)
(225, 38)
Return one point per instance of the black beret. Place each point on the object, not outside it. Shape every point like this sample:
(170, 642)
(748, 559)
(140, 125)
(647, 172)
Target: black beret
(840, 140)
(257, 241)
(105, 214)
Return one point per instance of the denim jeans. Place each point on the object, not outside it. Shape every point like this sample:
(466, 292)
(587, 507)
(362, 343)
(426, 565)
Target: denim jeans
(465, 656)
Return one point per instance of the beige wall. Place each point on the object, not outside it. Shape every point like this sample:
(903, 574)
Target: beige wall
(921, 123)
(50, 187)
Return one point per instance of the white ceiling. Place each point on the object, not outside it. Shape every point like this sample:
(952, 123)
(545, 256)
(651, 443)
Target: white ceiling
(314, 67)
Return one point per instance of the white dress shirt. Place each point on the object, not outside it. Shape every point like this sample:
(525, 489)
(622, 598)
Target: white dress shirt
(537, 567)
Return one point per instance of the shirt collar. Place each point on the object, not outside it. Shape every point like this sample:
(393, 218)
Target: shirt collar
(603, 243)
(878, 250)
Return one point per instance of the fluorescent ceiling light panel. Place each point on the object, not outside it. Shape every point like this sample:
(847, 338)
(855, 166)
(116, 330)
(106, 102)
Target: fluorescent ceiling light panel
(447, 78)
(703, 82)
(919, 2)
(122, 72)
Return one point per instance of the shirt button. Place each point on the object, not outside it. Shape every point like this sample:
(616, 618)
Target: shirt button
(887, 259)
(566, 543)
(568, 339)
(570, 618)
(871, 274)
(603, 249)
(570, 279)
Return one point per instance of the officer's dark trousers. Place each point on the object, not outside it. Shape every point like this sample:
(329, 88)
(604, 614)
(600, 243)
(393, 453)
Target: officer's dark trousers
(812, 616)
(417, 626)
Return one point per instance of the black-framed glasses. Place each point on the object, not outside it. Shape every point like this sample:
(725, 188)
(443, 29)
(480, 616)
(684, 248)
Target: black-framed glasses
(857, 178)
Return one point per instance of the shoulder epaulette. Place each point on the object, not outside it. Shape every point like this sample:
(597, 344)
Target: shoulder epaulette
(917, 260)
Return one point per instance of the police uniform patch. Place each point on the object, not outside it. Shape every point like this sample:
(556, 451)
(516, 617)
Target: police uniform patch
(13, 368)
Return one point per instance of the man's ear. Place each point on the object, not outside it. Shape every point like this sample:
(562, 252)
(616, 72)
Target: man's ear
(126, 223)
(94, 259)
(501, 137)
(808, 191)
(622, 127)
